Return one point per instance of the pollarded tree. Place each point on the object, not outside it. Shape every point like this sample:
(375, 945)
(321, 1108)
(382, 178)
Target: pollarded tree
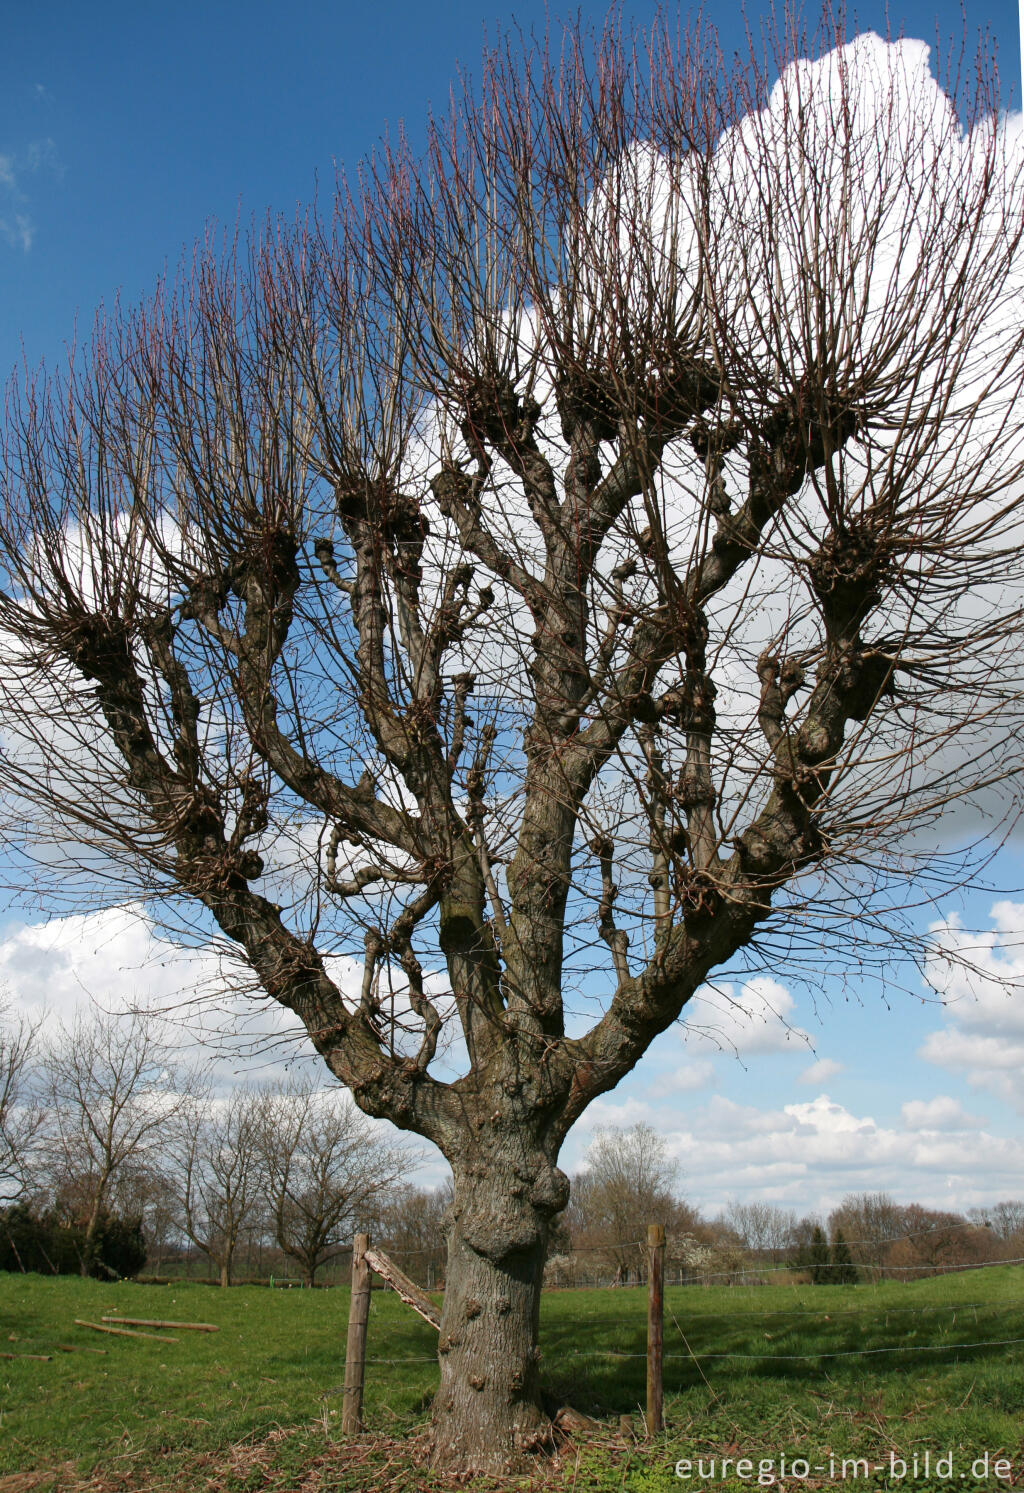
(589, 558)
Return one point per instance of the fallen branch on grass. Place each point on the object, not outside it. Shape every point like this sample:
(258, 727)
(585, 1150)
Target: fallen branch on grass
(154, 1322)
(156, 1337)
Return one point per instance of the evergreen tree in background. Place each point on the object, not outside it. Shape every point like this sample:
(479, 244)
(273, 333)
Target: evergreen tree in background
(844, 1271)
(820, 1263)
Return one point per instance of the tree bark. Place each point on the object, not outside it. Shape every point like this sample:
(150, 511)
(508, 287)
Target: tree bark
(488, 1416)
(91, 1230)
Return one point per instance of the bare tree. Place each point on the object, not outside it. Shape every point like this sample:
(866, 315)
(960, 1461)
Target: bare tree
(628, 1183)
(872, 1223)
(111, 1089)
(21, 1116)
(217, 1170)
(588, 558)
(1005, 1219)
(934, 1239)
(413, 1225)
(147, 1193)
(327, 1173)
(763, 1228)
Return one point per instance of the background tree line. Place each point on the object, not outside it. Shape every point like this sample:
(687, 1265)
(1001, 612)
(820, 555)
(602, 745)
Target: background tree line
(631, 1180)
(115, 1157)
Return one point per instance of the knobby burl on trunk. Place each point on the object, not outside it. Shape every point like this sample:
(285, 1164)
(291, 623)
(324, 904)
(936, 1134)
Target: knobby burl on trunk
(485, 588)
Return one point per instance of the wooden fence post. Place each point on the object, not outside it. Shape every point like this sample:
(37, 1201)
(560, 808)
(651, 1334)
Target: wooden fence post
(655, 1326)
(355, 1348)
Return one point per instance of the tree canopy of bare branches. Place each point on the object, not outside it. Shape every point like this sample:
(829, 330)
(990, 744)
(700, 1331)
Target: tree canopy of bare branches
(21, 1117)
(629, 1181)
(326, 1172)
(761, 1227)
(110, 1091)
(216, 1170)
(583, 556)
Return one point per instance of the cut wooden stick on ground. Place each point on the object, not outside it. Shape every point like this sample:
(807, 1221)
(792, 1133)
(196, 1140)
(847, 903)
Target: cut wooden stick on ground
(154, 1322)
(78, 1348)
(154, 1337)
(41, 1357)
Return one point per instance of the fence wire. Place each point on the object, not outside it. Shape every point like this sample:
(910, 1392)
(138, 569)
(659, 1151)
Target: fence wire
(1002, 1342)
(701, 1356)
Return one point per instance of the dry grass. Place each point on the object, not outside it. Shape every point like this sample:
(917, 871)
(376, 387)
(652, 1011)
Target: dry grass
(298, 1461)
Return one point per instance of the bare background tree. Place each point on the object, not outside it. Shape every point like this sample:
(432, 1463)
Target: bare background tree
(217, 1171)
(326, 1172)
(871, 1222)
(413, 1222)
(1005, 1219)
(588, 558)
(21, 1116)
(763, 1228)
(629, 1181)
(111, 1091)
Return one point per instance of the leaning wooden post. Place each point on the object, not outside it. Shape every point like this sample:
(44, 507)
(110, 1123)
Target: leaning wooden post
(655, 1326)
(355, 1348)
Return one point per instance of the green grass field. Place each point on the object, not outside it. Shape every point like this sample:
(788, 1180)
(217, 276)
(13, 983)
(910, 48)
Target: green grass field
(823, 1373)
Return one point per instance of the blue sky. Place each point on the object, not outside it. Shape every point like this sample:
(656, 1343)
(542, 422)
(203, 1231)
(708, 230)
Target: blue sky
(124, 131)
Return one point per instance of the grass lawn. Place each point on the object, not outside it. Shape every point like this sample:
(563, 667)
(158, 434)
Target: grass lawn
(747, 1374)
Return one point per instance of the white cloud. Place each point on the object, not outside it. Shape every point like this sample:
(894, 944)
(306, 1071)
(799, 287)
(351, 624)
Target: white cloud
(821, 1071)
(809, 1155)
(16, 224)
(18, 230)
(941, 1113)
(978, 1055)
(755, 1021)
(113, 956)
(617, 1114)
(686, 1079)
(117, 958)
(980, 977)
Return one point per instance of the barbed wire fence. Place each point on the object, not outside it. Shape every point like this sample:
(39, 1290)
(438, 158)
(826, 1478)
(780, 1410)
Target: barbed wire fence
(875, 1303)
(593, 1266)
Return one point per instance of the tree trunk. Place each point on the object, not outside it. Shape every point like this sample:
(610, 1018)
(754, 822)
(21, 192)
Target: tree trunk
(488, 1416)
(225, 1272)
(91, 1230)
